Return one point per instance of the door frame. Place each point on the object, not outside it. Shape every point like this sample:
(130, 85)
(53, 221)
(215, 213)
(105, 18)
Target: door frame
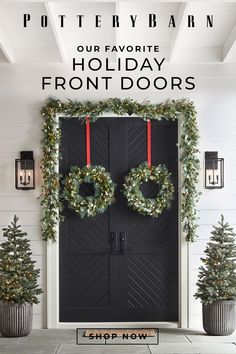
(183, 276)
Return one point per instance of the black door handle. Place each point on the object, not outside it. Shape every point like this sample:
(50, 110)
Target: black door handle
(122, 243)
(114, 243)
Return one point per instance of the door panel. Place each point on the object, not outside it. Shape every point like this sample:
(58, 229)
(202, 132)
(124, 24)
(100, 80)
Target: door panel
(87, 271)
(99, 282)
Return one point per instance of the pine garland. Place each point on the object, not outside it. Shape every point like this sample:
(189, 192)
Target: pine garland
(171, 110)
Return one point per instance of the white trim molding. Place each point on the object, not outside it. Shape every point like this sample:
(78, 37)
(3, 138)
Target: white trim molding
(183, 281)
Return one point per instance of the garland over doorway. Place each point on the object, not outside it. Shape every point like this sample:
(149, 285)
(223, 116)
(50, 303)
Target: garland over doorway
(171, 110)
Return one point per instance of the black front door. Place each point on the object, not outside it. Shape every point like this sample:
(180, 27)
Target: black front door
(120, 265)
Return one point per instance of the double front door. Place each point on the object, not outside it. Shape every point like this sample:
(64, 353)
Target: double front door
(119, 265)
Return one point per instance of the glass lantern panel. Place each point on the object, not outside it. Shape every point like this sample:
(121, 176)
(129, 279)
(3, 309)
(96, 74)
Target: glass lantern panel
(25, 174)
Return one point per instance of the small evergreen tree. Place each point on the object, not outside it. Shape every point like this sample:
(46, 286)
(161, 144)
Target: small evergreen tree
(217, 277)
(18, 276)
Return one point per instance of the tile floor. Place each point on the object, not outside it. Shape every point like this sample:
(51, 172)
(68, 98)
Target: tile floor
(171, 341)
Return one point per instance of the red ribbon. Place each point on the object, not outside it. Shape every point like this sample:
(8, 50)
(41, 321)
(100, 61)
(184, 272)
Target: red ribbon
(149, 144)
(88, 150)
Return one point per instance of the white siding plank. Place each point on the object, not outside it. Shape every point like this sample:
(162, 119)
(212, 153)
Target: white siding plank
(33, 232)
(12, 146)
(198, 247)
(39, 308)
(39, 321)
(29, 218)
(212, 198)
(22, 203)
(18, 130)
(221, 129)
(40, 262)
(212, 216)
(38, 248)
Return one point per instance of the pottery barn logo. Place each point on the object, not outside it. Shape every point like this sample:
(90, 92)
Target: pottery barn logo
(116, 336)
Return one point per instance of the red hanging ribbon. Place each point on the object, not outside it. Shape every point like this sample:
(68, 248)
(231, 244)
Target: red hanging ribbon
(149, 144)
(88, 151)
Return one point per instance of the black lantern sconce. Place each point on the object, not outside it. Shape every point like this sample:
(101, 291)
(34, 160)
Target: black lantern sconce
(214, 170)
(24, 171)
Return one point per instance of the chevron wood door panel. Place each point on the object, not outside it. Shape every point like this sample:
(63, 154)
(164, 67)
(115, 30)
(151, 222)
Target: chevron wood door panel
(148, 281)
(93, 277)
(150, 266)
(138, 282)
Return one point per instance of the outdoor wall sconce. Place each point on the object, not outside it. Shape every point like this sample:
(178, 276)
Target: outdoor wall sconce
(24, 171)
(214, 170)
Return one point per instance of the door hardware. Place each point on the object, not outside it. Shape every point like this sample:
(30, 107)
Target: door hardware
(122, 243)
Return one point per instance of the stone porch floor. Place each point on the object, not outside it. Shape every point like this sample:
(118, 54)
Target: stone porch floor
(172, 341)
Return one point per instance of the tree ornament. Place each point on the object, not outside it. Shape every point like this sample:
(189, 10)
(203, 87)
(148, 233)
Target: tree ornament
(136, 200)
(103, 190)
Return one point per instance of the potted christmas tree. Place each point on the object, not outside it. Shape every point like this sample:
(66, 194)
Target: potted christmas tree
(217, 281)
(18, 283)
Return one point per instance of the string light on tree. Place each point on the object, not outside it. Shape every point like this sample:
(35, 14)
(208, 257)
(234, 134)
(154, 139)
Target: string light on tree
(18, 276)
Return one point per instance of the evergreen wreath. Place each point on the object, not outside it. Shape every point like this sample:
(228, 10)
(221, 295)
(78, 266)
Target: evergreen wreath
(181, 109)
(103, 190)
(136, 200)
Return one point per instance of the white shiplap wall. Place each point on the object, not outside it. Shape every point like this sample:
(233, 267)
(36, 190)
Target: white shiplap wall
(20, 123)
(217, 124)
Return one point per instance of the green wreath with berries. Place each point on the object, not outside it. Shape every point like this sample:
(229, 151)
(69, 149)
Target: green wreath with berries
(103, 190)
(136, 200)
